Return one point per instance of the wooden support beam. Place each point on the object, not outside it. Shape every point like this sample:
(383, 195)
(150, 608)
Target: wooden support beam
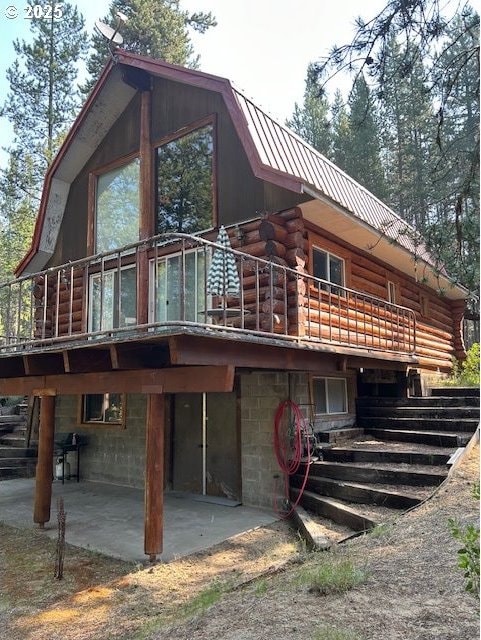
(171, 380)
(188, 350)
(87, 360)
(147, 218)
(137, 355)
(44, 472)
(154, 476)
(12, 366)
(45, 363)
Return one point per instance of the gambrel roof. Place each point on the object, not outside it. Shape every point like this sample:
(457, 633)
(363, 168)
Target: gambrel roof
(276, 155)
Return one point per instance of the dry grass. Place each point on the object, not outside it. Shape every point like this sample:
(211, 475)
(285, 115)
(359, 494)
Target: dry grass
(248, 588)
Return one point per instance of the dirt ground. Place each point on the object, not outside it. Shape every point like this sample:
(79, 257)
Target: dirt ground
(251, 588)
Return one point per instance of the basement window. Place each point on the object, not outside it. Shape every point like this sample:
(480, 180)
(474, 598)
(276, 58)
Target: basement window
(103, 408)
(329, 395)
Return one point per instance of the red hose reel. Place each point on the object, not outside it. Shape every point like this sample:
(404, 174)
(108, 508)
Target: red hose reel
(290, 439)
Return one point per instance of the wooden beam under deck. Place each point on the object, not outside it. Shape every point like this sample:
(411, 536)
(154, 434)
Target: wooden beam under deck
(87, 360)
(173, 380)
(43, 364)
(139, 355)
(200, 350)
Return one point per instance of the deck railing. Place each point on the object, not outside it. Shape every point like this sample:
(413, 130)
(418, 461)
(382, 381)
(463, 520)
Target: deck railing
(165, 281)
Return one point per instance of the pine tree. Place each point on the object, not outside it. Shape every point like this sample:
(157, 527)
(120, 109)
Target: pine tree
(40, 105)
(408, 135)
(155, 28)
(421, 26)
(453, 229)
(341, 134)
(42, 100)
(311, 120)
(363, 162)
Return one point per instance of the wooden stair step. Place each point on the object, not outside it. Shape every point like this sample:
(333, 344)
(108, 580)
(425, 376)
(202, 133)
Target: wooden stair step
(12, 419)
(339, 435)
(420, 413)
(453, 392)
(359, 493)
(334, 510)
(346, 454)
(17, 452)
(10, 473)
(310, 530)
(420, 424)
(17, 462)
(434, 438)
(417, 401)
(375, 474)
(12, 439)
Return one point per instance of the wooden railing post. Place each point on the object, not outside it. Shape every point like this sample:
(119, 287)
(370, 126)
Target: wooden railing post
(154, 476)
(44, 472)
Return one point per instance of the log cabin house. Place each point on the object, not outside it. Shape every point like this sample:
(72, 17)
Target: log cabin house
(112, 323)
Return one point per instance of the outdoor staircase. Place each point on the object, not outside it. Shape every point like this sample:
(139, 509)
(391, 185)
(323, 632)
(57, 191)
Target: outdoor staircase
(392, 461)
(16, 459)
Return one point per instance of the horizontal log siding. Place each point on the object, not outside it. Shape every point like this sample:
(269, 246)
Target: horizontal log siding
(438, 334)
(64, 311)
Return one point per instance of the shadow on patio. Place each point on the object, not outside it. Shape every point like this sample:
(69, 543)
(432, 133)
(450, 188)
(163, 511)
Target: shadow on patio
(110, 519)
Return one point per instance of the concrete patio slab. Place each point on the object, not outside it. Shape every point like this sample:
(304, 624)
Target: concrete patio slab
(110, 518)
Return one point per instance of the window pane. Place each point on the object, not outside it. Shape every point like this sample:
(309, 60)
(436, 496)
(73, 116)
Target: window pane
(94, 405)
(320, 401)
(184, 183)
(336, 391)
(336, 274)
(105, 407)
(161, 310)
(128, 297)
(102, 302)
(174, 286)
(117, 213)
(320, 264)
(170, 286)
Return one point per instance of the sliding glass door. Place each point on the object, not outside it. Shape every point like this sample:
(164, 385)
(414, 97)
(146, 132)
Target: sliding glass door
(113, 299)
(178, 287)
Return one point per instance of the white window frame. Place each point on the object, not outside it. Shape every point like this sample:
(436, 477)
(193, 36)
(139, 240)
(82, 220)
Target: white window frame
(327, 379)
(391, 292)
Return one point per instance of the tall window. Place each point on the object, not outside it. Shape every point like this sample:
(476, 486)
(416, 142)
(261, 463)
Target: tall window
(117, 207)
(113, 299)
(328, 267)
(185, 182)
(330, 395)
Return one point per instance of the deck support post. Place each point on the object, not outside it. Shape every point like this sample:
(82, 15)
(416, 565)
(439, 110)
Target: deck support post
(154, 476)
(44, 471)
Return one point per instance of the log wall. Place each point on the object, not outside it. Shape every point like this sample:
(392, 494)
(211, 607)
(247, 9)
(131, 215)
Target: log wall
(438, 320)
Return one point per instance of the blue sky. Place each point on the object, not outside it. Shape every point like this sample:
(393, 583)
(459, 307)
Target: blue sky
(264, 46)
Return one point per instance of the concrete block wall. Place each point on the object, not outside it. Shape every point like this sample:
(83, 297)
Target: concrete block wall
(261, 394)
(112, 454)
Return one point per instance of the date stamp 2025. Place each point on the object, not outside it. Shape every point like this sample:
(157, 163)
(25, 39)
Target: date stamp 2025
(35, 12)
